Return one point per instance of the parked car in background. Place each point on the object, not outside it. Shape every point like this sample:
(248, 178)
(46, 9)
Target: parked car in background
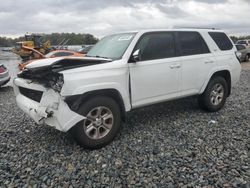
(4, 75)
(245, 52)
(85, 49)
(53, 54)
(244, 42)
(89, 96)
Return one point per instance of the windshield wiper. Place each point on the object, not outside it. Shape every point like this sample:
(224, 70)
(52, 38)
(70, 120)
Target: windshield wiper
(98, 56)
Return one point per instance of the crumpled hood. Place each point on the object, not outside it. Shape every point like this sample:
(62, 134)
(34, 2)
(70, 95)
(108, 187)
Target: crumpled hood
(46, 70)
(43, 62)
(65, 63)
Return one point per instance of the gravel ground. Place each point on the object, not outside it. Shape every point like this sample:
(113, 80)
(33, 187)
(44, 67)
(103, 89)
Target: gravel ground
(174, 144)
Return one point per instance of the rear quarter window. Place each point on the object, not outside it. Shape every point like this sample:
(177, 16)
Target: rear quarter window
(221, 40)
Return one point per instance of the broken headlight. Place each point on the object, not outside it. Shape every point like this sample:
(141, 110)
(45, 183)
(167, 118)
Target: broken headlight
(56, 82)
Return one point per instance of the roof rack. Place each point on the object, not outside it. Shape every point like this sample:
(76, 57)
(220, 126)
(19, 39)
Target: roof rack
(212, 28)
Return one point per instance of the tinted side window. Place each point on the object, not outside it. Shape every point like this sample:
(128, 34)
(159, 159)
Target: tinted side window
(60, 54)
(221, 40)
(156, 46)
(192, 43)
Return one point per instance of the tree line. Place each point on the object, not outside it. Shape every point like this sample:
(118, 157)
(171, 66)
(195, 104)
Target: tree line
(55, 39)
(73, 39)
(234, 38)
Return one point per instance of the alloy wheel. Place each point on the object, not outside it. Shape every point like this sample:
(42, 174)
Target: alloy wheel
(217, 94)
(98, 123)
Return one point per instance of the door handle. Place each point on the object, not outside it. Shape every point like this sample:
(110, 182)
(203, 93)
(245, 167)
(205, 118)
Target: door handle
(209, 62)
(175, 66)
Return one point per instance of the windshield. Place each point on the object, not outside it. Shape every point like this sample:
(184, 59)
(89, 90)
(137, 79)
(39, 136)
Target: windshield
(112, 47)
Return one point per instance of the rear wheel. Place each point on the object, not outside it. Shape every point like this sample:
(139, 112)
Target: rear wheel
(102, 123)
(215, 94)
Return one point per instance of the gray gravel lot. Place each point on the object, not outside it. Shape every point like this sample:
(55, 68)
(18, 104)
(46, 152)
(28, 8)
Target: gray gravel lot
(173, 144)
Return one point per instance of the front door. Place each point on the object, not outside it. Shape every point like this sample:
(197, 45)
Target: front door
(155, 77)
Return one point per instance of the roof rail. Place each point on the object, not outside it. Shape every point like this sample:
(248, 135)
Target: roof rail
(212, 28)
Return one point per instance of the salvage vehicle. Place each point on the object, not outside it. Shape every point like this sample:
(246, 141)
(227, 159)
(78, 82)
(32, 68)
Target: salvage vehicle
(90, 96)
(53, 54)
(4, 75)
(245, 52)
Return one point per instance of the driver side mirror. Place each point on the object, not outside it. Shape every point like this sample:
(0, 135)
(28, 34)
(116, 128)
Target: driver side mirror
(136, 56)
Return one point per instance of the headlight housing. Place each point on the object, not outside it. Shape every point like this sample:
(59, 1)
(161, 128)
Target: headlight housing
(56, 82)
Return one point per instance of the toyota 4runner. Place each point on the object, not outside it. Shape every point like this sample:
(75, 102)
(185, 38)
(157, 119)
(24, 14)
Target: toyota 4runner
(89, 96)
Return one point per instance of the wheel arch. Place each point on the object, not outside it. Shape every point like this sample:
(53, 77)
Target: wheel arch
(223, 73)
(74, 102)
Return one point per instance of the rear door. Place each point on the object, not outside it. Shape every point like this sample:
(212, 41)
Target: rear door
(197, 61)
(156, 76)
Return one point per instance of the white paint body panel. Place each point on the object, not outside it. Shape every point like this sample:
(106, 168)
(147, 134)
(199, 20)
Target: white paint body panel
(154, 81)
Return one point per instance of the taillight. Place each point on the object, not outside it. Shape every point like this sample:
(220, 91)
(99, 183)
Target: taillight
(2, 69)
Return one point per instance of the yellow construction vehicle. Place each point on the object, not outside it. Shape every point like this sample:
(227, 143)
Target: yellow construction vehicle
(31, 47)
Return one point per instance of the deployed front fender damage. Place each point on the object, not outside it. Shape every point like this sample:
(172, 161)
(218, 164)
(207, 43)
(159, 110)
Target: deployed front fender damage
(52, 109)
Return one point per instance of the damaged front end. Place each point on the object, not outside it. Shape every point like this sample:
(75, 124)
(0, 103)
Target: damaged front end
(48, 74)
(45, 76)
(47, 108)
(38, 95)
(38, 91)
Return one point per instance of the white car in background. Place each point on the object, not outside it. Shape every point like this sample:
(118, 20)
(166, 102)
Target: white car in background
(244, 42)
(89, 96)
(4, 75)
(245, 52)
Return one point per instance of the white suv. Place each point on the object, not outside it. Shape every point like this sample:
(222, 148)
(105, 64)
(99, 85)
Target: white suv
(90, 96)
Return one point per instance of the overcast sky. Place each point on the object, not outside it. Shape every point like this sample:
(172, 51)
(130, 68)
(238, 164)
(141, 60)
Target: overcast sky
(102, 17)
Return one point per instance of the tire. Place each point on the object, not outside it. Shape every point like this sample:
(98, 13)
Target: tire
(247, 58)
(215, 95)
(101, 126)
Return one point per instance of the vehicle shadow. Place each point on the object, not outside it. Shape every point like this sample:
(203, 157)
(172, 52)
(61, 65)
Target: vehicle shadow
(137, 121)
(163, 110)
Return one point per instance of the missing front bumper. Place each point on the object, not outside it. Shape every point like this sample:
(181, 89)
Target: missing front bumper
(52, 110)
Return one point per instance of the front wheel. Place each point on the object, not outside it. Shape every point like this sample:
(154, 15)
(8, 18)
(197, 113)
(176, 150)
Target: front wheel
(102, 123)
(215, 95)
